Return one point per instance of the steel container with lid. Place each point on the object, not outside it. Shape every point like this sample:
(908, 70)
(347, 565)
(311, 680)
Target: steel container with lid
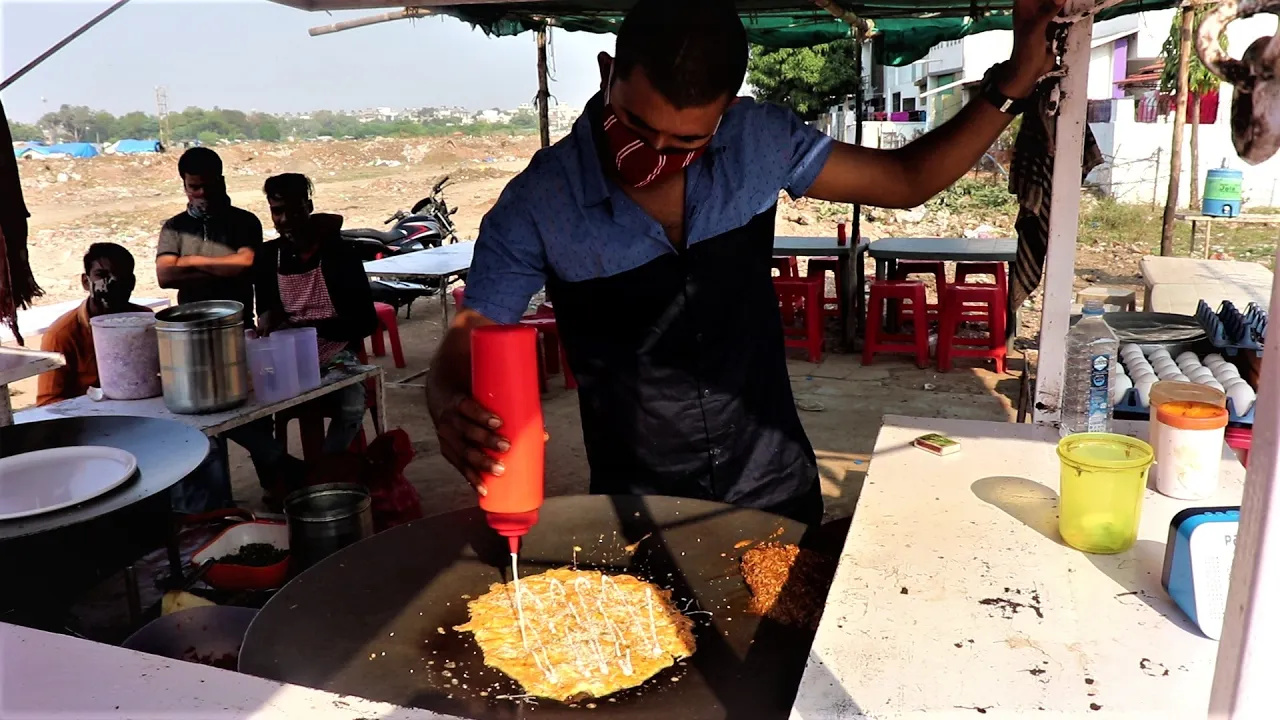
(202, 360)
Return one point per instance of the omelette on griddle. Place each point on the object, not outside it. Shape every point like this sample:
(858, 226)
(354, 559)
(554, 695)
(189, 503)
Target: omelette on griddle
(585, 634)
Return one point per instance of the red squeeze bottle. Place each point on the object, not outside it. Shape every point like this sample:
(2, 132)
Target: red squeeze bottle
(842, 235)
(504, 379)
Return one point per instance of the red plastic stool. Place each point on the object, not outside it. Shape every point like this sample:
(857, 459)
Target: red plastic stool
(877, 340)
(936, 268)
(1240, 439)
(786, 266)
(387, 321)
(959, 308)
(966, 270)
(806, 293)
(818, 269)
(552, 348)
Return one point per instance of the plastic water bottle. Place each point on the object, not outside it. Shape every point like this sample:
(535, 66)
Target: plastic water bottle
(1091, 359)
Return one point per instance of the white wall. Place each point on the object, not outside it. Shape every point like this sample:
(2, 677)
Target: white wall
(983, 50)
(945, 57)
(1131, 174)
(1101, 73)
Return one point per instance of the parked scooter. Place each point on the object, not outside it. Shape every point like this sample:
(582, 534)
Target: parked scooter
(428, 224)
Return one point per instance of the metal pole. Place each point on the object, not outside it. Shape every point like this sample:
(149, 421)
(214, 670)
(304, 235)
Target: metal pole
(544, 95)
(62, 43)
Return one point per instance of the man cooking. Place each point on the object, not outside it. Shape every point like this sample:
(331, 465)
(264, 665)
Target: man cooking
(108, 278)
(651, 226)
(206, 251)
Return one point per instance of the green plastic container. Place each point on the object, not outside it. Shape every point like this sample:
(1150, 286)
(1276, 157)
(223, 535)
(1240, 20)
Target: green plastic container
(1222, 193)
(1103, 481)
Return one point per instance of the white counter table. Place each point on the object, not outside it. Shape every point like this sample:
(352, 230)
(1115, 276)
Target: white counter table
(57, 676)
(955, 596)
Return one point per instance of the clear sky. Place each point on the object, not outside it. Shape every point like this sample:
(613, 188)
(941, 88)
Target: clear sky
(257, 55)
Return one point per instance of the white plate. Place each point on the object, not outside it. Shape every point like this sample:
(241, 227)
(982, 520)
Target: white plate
(46, 480)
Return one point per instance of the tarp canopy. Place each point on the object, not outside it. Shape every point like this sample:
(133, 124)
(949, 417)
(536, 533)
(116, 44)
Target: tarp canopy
(75, 150)
(908, 29)
(136, 147)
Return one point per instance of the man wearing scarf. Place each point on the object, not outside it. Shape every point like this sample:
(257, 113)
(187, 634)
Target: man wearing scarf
(206, 252)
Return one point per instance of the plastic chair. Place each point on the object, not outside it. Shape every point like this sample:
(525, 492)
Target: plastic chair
(879, 341)
(786, 266)
(1240, 439)
(904, 269)
(965, 271)
(803, 293)
(818, 269)
(387, 321)
(553, 358)
(958, 309)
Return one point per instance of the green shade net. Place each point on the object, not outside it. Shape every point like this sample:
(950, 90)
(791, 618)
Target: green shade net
(907, 30)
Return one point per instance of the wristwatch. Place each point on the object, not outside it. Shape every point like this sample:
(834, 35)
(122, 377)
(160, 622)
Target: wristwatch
(991, 92)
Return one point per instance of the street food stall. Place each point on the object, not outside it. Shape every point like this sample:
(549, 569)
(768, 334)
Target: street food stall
(954, 592)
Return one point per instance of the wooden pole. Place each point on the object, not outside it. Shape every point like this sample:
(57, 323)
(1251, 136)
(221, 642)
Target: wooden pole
(544, 95)
(1064, 218)
(855, 227)
(1179, 122)
(403, 14)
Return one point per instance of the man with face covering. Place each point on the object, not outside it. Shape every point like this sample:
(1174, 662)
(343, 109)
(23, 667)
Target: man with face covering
(206, 251)
(651, 227)
(108, 278)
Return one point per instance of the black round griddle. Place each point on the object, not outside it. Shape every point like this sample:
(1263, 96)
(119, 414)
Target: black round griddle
(376, 619)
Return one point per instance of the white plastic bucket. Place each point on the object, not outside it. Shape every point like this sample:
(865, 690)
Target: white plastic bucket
(128, 355)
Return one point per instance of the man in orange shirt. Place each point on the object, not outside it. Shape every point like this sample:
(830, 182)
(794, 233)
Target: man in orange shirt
(108, 278)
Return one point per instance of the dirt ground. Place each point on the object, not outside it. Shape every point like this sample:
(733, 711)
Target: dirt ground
(77, 202)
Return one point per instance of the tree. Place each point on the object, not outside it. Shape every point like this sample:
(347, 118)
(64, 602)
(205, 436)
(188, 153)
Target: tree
(808, 80)
(269, 131)
(23, 132)
(1200, 82)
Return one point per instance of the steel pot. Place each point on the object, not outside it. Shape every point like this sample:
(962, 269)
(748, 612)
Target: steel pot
(202, 360)
(323, 519)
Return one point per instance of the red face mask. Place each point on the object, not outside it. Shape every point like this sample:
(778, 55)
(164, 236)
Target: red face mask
(638, 163)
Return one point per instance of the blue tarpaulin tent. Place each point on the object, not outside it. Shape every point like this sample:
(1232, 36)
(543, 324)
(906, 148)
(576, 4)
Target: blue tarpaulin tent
(135, 147)
(24, 148)
(75, 150)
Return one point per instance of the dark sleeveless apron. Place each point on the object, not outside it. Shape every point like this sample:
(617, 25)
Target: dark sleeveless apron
(682, 377)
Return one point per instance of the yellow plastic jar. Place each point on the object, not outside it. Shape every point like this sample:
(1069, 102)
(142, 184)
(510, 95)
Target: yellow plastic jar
(1103, 479)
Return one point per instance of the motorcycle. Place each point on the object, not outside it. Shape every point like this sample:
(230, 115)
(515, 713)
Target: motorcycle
(428, 224)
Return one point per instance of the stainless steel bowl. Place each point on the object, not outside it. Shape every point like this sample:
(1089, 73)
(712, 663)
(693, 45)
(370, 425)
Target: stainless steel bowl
(202, 359)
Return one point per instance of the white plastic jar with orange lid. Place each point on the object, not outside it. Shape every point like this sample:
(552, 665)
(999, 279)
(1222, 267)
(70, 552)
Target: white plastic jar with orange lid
(1189, 448)
(1173, 390)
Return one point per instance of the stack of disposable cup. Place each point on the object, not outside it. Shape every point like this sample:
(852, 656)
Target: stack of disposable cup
(504, 379)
